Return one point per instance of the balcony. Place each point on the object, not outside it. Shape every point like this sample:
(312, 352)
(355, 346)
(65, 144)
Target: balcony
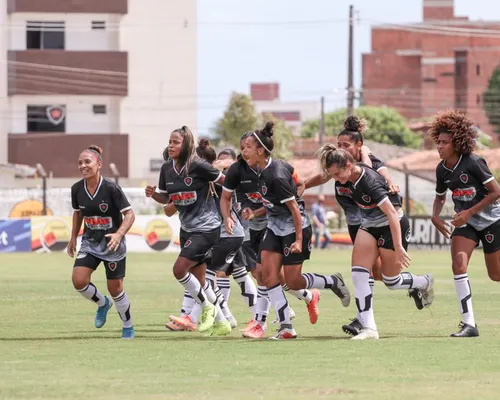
(68, 6)
(49, 72)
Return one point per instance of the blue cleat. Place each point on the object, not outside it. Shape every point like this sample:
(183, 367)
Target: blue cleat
(102, 313)
(128, 333)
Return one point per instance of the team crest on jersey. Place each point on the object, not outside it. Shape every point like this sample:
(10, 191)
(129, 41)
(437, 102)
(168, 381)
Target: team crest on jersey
(230, 257)
(489, 237)
(103, 207)
(112, 266)
(264, 190)
(366, 198)
(188, 180)
(464, 178)
(286, 251)
(188, 243)
(380, 241)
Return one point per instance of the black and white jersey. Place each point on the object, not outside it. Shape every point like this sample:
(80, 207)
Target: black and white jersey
(238, 230)
(343, 194)
(369, 192)
(277, 187)
(244, 180)
(467, 182)
(190, 193)
(102, 214)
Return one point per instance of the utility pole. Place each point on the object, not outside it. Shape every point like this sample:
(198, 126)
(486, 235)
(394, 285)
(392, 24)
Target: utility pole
(321, 131)
(350, 67)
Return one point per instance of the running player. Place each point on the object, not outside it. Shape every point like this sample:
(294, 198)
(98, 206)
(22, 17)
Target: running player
(287, 240)
(185, 181)
(475, 193)
(107, 216)
(351, 140)
(384, 233)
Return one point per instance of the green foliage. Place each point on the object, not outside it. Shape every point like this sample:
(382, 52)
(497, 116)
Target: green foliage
(386, 125)
(491, 100)
(282, 136)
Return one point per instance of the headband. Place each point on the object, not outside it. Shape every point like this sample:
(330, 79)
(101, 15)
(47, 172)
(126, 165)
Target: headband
(260, 141)
(94, 153)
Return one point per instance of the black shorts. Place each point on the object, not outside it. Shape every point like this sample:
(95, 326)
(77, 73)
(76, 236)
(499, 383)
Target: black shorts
(195, 245)
(353, 231)
(249, 255)
(489, 237)
(281, 244)
(256, 239)
(384, 237)
(114, 269)
(223, 254)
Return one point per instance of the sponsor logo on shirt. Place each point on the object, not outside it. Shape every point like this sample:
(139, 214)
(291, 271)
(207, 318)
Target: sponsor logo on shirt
(466, 194)
(183, 198)
(255, 197)
(98, 223)
(267, 203)
(344, 191)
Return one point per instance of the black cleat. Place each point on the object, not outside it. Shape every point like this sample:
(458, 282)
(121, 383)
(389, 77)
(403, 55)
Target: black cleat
(466, 330)
(417, 297)
(354, 328)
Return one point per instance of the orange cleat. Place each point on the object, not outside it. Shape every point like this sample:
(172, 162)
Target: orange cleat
(250, 325)
(172, 326)
(257, 332)
(184, 322)
(312, 307)
(283, 334)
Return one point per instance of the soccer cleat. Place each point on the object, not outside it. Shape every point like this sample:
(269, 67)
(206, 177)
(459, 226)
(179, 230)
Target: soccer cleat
(341, 290)
(428, 294)
(366, 333)
(184, 322)
(102, 313)
(221, 328)
(172, 326)
(466, 330)
(233, 322)
(249, 325)
(416, 295)
(257, 332)
(207, 317)
(312, 307)
(354, 328)
(128, 333)
(285, 333)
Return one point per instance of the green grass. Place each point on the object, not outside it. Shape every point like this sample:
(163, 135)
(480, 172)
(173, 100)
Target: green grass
(49, 348)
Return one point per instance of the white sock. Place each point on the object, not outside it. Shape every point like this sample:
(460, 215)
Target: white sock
(364, 297)
(90, 292)
(225, 287)
(122, 304)
(464, 294)
(195, 314)
(317, 281)
(192, 285)
(221, 301)
(247, 287)
(280, 304)
(212, 298)
(263, 305)
(187, 304)
(371, 281)
(405, 281)
(210, 277)
(302, 294)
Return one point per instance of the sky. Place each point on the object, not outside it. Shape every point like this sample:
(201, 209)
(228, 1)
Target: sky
(300, 44)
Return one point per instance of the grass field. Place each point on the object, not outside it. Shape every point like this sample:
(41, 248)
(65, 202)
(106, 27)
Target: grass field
(49, 348)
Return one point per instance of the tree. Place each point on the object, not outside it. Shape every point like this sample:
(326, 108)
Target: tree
(282, 137)
(240, 116)
(386, 125)
(491, 100)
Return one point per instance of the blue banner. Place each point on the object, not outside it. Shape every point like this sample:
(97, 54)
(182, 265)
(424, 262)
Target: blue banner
(15, 235)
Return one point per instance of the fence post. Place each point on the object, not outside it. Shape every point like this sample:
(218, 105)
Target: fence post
(407, 191)
(43, 174)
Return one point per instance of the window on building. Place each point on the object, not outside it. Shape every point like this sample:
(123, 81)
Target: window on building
(99, 109)
(98, 24)
(45, 35)
(478, 69)
(46, 118)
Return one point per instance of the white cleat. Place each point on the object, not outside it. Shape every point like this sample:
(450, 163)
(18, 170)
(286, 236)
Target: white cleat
(366, 333)
(428, 294)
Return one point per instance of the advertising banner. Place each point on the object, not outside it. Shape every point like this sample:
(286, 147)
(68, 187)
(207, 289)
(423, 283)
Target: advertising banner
(15, 235)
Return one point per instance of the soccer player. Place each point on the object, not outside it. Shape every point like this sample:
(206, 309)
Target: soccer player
(107, 216)
(185, 181)
(384, 233)
(287, 241)
(351, 140)
(475, 193)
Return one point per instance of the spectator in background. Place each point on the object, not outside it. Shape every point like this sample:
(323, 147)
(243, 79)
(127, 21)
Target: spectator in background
(320, 223)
